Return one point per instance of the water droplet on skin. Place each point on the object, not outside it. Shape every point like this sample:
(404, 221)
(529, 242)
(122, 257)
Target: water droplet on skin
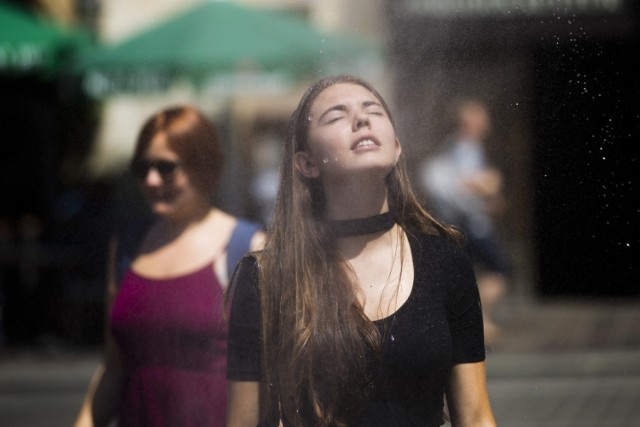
(309, 118)
(325, 160)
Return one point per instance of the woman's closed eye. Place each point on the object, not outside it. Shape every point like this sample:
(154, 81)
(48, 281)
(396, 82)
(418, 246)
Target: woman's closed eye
(375, 111)
(338, 113)
(333, 118)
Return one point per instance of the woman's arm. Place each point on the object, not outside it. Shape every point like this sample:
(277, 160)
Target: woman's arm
(101, 401)
(467, 396)
(243, 404)
(85, 418)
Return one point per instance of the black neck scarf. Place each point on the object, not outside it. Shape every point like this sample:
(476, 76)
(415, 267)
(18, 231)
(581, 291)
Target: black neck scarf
(361, 226)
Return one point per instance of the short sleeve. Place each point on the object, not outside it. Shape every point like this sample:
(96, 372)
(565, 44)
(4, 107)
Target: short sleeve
(243, 349)
(465, 315)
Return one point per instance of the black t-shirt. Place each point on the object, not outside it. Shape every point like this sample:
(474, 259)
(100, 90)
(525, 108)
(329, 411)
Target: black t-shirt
(440, 325)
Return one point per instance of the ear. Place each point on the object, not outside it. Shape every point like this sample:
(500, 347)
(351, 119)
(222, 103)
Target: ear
(305, 165)
(398, 149)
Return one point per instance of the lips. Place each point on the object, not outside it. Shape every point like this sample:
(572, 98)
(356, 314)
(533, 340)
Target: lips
(159, 196)
(365, 142)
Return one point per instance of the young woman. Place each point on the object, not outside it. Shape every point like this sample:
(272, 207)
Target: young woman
(361, 310)
(166, 347)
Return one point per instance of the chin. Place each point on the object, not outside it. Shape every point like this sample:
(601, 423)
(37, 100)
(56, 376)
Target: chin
(161, 209)
(379, 169)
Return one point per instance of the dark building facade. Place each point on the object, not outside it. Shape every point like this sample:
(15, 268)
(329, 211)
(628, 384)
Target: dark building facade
(562, 84)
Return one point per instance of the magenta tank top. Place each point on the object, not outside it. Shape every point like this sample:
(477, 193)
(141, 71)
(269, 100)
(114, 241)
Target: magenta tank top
(172, 336)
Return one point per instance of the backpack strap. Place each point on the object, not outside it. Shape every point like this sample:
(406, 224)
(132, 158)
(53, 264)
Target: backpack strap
(240, 242)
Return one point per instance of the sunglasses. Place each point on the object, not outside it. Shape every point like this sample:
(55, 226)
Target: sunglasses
(166, 168)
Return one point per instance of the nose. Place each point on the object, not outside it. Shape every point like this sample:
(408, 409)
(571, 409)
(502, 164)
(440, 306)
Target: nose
(361, 120)
(153, 178)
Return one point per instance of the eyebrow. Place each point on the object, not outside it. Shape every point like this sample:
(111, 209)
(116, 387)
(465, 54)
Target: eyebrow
(342, 107)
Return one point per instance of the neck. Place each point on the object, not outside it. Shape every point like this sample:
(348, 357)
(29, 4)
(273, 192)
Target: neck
(178, 223)
(361, 226)
(354, 203)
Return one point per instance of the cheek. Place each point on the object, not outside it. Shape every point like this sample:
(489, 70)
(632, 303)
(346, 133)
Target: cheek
(323, 149)
(330, 155)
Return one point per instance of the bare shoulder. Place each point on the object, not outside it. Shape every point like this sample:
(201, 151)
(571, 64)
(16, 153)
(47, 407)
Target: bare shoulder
(225, 223)
(222, 219)
(220, 224)
(258, 240)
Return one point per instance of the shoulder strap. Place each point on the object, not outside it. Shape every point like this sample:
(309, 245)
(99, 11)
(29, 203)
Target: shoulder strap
(240, 242)
(128, 241)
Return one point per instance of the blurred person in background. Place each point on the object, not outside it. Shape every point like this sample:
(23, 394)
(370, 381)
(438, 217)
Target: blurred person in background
(464, 190)
(264, 184)
(165, 356)
(362, 310)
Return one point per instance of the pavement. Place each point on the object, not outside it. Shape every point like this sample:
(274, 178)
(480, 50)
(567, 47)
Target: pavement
(566, 363)
(556, 364)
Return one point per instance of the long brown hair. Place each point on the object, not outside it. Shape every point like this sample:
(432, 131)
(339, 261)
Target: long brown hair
(315, 336)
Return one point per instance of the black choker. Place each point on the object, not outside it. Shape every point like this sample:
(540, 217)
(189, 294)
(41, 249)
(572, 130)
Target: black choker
(360, 226)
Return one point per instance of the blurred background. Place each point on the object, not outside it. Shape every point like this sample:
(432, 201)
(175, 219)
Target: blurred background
(560, 78)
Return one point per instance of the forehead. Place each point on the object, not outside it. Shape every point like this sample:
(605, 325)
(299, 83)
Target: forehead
(159, 145)
(342, 93)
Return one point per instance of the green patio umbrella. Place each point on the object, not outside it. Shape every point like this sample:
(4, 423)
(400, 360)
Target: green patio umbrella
(29, 44)
(217, 37)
